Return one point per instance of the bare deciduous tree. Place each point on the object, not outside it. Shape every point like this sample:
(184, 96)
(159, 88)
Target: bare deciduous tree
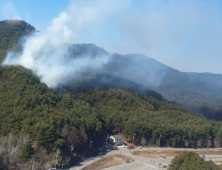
(10, 145)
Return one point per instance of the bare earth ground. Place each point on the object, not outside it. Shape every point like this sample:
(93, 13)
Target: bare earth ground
(167, 153)
(108, 161)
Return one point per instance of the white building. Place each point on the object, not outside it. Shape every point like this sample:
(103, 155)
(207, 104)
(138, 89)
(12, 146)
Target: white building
(118, 140)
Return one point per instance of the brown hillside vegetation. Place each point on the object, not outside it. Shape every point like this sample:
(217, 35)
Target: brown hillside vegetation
(166, 153)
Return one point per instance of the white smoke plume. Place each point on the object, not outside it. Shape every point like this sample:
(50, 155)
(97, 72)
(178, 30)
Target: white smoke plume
(185, 35)
(47, 52)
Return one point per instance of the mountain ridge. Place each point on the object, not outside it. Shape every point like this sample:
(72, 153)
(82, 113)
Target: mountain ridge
(190, 89)
(200, 91)
(11, 33)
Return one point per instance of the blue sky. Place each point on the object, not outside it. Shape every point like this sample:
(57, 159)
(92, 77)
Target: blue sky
(37, 12)
(186, 35)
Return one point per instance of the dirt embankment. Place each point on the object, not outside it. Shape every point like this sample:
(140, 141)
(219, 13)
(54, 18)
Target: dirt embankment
(167, 153)
(108, 161)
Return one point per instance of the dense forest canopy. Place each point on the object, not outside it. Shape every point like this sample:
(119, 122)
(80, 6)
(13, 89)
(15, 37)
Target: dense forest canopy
(36, 121)
(53, 118)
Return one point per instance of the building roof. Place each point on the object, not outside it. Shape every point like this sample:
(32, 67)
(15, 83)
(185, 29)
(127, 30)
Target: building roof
(116, 137)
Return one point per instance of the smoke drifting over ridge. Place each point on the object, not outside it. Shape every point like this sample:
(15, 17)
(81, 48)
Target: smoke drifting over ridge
(185, 35)
(47, 53)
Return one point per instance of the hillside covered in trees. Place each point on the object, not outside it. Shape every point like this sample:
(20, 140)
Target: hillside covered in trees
(202, 92)
(51, 119)
(38, 122)
(10, 33)
(198, 91)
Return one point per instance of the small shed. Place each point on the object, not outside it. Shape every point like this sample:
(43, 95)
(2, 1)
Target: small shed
(118, 140)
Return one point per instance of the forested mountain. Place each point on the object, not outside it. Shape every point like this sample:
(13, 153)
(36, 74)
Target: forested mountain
(10, 33)
(51, 119)
(201, 92)
(36, 121)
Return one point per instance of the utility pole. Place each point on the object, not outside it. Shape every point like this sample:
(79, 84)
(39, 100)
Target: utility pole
(183, 140)
(57, 153)
(56, 160)
(33, 164)
(208, 143)
(90, 143)
(133, 138)
(72, 147)
(159, 139)
(107, 139)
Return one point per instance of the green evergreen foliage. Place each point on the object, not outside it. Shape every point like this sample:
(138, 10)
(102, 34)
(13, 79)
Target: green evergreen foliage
(30, 107)
(191, 161)
(26, 152)
(10, 33)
